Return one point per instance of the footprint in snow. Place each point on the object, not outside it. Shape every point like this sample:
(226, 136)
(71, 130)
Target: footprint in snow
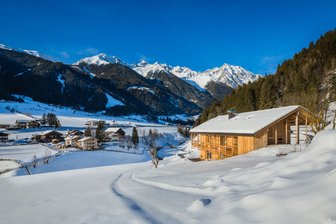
(262, 164)
(235, 169)
(199, 204)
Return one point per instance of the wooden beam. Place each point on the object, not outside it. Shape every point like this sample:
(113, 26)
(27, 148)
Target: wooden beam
(276, 134)
(267, 136)
(297, 128)
(286, 127)
(306, 122)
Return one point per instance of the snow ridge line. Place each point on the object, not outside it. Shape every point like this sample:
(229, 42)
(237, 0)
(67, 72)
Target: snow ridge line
(168, 187)
(132, 204)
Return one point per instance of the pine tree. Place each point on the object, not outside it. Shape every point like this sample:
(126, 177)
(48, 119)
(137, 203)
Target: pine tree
(51, 119)
(267, 94)
(179, 129)
(43, 120)
(100, 131)
(135, 136)
(87, 132)
(57, 124)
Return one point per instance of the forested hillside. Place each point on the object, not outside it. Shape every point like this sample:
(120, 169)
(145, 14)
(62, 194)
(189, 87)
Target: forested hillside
(308, 79)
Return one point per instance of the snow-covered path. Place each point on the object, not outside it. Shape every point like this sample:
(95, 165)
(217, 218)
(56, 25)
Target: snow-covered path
(254, 188)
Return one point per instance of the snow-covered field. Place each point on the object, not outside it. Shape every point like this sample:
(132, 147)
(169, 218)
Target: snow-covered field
(78, 159)
(21, 154)
(68, 117)
(253, 188)
(118, 187)
(25, 153)
(85, 159)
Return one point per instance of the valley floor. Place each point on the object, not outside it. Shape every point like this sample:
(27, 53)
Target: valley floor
(258, 187)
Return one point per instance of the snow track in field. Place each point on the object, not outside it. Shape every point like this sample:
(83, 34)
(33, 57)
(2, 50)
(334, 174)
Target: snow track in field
(134, 206)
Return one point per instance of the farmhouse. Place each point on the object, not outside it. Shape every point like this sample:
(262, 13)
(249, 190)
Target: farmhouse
(115, 134)
(3, 137)
(27, 123)
(49, 136)
(71, 141)
(21, 123)
(5, 126)
(95, 123)
(75, 132)
(230, 135)
(87, 143)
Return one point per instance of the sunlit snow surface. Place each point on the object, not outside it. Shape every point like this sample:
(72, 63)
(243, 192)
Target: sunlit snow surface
(253, 188)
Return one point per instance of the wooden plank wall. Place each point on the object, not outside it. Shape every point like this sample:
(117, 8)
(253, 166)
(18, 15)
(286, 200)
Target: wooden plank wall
(260, 140)
(221, 146)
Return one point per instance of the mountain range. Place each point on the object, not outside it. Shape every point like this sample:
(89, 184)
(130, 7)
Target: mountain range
(107, 83)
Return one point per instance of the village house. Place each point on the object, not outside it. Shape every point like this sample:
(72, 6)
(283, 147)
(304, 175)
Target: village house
(230, 135)
(94, 123)
(87, 143)
(21, 123)
(3, 137)
(27, 124)
(49, 136)
(75, 132)
(72, 137)
(114, 134)
(5, 126)
(71, 141)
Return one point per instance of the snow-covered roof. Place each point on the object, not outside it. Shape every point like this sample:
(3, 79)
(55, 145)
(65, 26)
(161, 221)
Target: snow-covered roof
(244, 123)
(86, 138)
(50, 131)
(112, 130)
(3, 134)
(73, 137)
(25, 121)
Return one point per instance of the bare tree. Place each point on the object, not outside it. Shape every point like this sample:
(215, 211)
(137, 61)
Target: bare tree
(153, 147)
(319, 122)
(154, 155)
(143, 135)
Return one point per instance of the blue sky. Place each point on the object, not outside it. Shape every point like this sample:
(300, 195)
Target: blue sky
(199, 34)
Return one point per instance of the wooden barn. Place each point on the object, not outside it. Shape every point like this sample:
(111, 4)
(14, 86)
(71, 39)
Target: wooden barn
(230, 135)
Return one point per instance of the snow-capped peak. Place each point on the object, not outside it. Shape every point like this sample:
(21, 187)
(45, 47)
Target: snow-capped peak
(100, 59)
(230, 75)
(144, 68)
(5, 47)
(143, 63)
(31, 52)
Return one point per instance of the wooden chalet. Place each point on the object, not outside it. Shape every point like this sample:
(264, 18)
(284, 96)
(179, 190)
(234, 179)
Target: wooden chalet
(226, 136)
(88, 143)
(95, 123)
(27, 123)
(71, 141)
(21, 123)
(75, 132)
(3, 137)
(49, 136)
(115, 134)
(5, 126)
